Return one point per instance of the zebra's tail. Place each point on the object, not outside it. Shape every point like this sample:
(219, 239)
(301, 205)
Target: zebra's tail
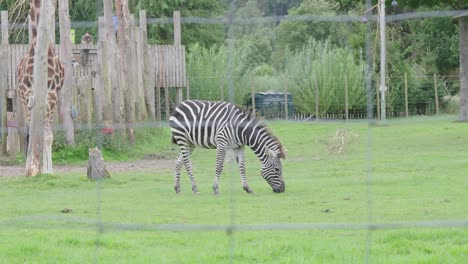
(173, 140)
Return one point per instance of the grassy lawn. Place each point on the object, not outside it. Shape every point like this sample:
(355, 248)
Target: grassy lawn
(417, 171)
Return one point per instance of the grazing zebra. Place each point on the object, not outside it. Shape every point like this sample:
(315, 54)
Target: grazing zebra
(224, 126)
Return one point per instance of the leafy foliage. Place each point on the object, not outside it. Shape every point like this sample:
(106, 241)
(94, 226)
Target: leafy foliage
(326, 65)
(205, 34)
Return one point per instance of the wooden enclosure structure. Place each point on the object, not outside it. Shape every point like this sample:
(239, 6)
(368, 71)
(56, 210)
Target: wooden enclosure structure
(155, 71)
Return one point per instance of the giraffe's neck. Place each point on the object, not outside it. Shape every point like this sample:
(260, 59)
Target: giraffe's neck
(34, 12)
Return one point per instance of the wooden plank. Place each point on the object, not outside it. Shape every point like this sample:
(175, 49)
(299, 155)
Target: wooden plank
(184, 74)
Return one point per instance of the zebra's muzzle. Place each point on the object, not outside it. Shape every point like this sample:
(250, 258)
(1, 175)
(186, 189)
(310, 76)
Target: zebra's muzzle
(280, 189)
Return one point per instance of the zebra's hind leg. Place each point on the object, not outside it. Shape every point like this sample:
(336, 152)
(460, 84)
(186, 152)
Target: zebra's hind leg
(185, 153)
(178, 167)
(240, 161)
(220, 155)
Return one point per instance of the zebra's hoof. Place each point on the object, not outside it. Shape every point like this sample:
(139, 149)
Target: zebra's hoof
(215, 190)
(248, 190)
(177, 189)
(195, 190)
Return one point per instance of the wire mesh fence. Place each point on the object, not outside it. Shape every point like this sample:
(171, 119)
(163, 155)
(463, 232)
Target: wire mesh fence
(353, 179)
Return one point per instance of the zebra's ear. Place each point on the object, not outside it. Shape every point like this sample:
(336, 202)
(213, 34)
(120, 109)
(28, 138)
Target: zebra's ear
(271, 153)
(282, 154)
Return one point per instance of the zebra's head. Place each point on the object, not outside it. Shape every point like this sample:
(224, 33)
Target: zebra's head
(272, 170)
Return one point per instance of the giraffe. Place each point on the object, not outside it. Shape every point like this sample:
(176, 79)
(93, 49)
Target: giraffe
(55, 77)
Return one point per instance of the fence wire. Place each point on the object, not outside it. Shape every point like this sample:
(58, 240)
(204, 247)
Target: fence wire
(61, 222)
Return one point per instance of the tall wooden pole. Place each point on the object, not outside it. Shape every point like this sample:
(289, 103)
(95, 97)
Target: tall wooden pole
(406, 95)
(383, 61)
(3, 82)
(3, 101)
(346, 97)
(286, 110)
(316, 99)
(252, 91)
(177, 43)
(436, 95)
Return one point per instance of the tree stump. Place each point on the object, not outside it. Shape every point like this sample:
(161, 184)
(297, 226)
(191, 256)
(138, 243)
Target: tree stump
(96, 167)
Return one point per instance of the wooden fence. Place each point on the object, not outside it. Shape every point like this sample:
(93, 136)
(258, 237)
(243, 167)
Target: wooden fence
(153, 72)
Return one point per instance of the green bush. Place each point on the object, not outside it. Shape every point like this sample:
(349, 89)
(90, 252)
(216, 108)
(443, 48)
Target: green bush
(325, 65)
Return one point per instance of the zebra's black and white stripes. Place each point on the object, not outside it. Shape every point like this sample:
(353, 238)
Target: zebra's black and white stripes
(224, 126)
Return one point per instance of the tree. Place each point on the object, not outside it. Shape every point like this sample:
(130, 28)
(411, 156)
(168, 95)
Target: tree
(36, 130)
(204, 34)
(345, 5)
(66, 54)
(123, 33)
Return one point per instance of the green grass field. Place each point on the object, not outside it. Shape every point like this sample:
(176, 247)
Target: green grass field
(417, 171)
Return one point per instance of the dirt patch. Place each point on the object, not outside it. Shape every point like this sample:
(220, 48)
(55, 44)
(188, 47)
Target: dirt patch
(149, 164)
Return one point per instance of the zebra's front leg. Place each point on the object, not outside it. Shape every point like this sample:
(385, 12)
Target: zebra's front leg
(178, 166)
(220, 155)
(241, 162)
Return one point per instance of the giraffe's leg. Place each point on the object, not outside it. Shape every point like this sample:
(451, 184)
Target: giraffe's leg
(220, 155)
(178, 166)
(241, 162)
(47, 150)
(48, 133)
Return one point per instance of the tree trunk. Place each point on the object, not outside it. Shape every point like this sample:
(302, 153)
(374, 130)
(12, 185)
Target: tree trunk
(123, 15)
(67, 56)
(463, 47)
(116, 101)
(36, 129)
(96, 167)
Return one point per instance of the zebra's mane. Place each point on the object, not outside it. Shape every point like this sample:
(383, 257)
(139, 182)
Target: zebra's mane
(255, 116)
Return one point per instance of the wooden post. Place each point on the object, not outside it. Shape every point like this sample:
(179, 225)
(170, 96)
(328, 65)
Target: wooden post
(3, 96)
(4, 19)
(188, 87)
(252, 88)
(158, 103)
(406, 95)
(99, 105)
(436, 94)
(4, 82)
(168, 102)
(85, 103)
(286, 110)
(177, 43)
(52, 24)
(221, 87)
(108, 21)
(346, 97)
(378, 99)
(316, 99)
